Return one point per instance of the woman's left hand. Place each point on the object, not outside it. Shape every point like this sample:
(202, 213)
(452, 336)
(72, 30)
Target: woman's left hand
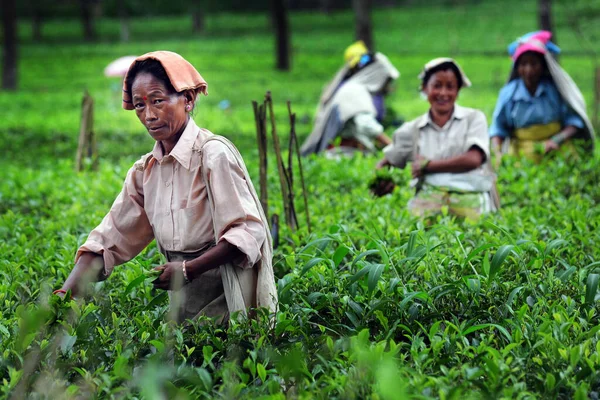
(171, 277)
(418, 166)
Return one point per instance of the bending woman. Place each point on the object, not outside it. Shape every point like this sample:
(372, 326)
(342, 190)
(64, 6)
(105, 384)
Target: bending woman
(352, 105)
(540, 109)
(448, 147)
(191, 193)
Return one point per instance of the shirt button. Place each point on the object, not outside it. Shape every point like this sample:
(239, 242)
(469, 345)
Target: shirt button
(167, 184)
(167, 213)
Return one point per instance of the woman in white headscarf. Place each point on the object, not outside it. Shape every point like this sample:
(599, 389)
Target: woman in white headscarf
(448, 147)
(352, 104)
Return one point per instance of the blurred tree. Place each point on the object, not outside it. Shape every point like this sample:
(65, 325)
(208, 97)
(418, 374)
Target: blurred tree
(197, 21)
(38, 11)
(279, 15)
(87, 19)
(363, 24)
(9, 24)
(325, 6)
(545, 17)
(124, 20)
(583, 18)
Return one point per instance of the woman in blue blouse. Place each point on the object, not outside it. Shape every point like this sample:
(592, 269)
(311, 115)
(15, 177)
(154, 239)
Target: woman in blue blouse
(540, 109)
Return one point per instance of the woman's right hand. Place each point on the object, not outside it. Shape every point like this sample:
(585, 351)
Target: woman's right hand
(550, 146)
(383, 187)
(89, 268)
(382, 163)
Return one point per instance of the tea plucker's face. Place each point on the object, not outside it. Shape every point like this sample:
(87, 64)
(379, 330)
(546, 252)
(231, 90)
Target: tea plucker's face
(442, 90)
(530, 67)
(163, 112)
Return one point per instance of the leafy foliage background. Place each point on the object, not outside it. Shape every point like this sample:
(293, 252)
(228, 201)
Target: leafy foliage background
(374, 303)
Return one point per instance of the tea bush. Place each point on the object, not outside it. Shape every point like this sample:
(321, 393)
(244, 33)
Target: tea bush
(374, 303)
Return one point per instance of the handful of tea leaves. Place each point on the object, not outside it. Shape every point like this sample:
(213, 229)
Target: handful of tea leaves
(385, 180)
(152, 274)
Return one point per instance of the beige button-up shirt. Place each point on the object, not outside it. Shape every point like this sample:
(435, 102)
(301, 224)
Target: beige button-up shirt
(164, 197)
(466, 128)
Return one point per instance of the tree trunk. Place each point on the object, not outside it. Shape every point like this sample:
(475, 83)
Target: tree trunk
(197, 21)
(87, 20)
(325, 6)
(9, 22)
(545, 17)
(363, 24)
(282, 33)
(36, 24)
(124, 17)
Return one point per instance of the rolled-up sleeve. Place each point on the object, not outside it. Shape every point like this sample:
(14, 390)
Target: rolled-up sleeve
(366, 130)
(125, 231)
(570, 117)
(401, 150)
(236, 216)
(477, 134)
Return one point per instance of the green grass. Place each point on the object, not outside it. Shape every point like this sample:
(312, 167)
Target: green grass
(374, 303)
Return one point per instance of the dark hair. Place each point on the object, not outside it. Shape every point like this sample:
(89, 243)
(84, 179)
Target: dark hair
(443, 67)
(154, 68)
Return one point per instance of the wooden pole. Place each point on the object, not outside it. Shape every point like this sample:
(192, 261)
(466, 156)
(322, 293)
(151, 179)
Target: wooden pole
(290, 165)
(275, 230)
(286, 194)
(294, 139)
(261, 139)
(597, 99)
(87, 141)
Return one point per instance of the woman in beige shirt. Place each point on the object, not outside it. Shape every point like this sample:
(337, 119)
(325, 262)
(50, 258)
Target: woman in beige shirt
(448, 147)
(191, 193)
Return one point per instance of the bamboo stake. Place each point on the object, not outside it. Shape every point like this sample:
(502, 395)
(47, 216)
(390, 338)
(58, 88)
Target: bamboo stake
(261, 138)
(294, 138)
(87, 142)
(283, 178)
(275, 230)
(291, 152)
(597, 99)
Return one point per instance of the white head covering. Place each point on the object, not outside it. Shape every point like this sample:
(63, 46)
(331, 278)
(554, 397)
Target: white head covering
(353, 97)
(436, 62)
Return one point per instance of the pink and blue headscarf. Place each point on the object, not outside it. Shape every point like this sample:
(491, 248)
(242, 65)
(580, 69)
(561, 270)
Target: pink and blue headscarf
(538, 41)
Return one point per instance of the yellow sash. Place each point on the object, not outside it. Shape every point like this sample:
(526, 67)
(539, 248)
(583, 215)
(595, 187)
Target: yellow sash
(529, 141)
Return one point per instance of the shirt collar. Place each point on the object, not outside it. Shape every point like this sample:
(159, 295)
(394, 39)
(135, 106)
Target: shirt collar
(521, 93)
(182, 151)
(458, 113)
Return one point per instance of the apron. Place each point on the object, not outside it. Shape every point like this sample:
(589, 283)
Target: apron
(205, 295)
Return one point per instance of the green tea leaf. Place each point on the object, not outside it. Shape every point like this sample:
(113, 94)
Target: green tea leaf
(159, 299)
(498, 259)
(374, 276)
(261, 371)
(500, 328)
(134, 283)
(591, 288)
(339, 255)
